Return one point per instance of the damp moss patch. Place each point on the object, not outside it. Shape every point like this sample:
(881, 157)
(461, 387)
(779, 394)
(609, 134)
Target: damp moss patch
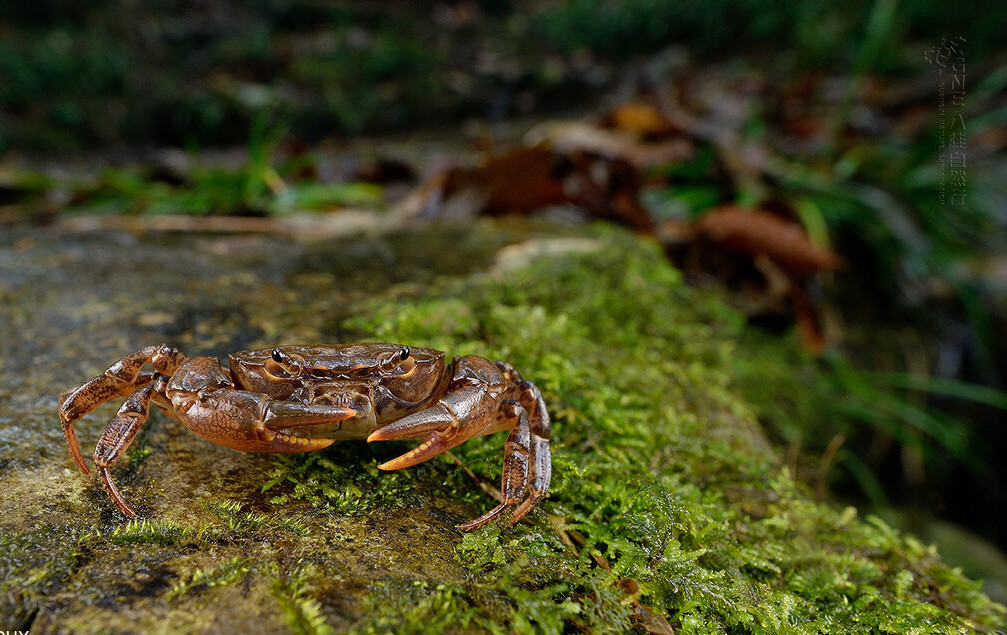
(668, 502)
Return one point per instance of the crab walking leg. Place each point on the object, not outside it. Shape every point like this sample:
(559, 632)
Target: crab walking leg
(527, 458)
(514, 481)
(476, 405)
(120, 378)
(71, 410)
(540, 467)
(116, 438)
(119, 434)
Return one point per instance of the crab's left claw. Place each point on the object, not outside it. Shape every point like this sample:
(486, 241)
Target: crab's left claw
(484, 399)
(463, 414)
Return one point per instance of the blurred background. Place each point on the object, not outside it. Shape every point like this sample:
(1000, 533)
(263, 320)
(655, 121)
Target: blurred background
(877, 126)
(201, 73)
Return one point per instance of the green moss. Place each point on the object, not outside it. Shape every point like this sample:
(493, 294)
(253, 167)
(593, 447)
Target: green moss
(433, 608)
(237, 520)
(155, 532)
(661, 472)
(336, 481)
(229, 572)
(302, 614)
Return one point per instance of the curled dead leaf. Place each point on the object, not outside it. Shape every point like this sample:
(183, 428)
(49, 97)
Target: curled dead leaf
(756, 231)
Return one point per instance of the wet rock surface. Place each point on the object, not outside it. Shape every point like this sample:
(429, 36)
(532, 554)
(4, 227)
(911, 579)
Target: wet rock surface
(70, 305)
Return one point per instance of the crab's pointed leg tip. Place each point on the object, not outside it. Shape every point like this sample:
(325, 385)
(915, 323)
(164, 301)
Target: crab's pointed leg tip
(123, 506)
(78, 458)
(486, 518)
(521, 511)
(113, 492)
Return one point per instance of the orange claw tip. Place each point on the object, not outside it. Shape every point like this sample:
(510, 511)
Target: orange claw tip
(409, 459)
(431, 447)
(396, 463)
(389, 433)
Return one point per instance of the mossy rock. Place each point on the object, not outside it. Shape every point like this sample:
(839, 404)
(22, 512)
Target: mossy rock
(669, 508)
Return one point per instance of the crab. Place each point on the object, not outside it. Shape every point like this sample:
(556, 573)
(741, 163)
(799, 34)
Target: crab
(291, 399)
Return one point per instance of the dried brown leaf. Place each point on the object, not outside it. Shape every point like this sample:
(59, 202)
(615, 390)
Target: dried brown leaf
(755, 231)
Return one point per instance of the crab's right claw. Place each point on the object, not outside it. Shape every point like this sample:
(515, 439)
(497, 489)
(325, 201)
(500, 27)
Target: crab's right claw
(252, 422)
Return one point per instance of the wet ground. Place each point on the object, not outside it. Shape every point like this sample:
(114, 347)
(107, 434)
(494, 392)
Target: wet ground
(70, 305)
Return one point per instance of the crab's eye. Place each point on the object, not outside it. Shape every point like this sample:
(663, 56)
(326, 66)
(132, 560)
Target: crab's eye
(404, 354)
(283, 364)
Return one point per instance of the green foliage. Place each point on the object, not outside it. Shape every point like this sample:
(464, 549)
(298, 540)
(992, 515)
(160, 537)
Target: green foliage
(821, 33)
(56, 83)
(656, 476)
(625, 28)
(177, 79)
(261, 185)
(25, 570)
(881, 201)
(36, 558)
(433, 608)
(234, 524)
(236, 519)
